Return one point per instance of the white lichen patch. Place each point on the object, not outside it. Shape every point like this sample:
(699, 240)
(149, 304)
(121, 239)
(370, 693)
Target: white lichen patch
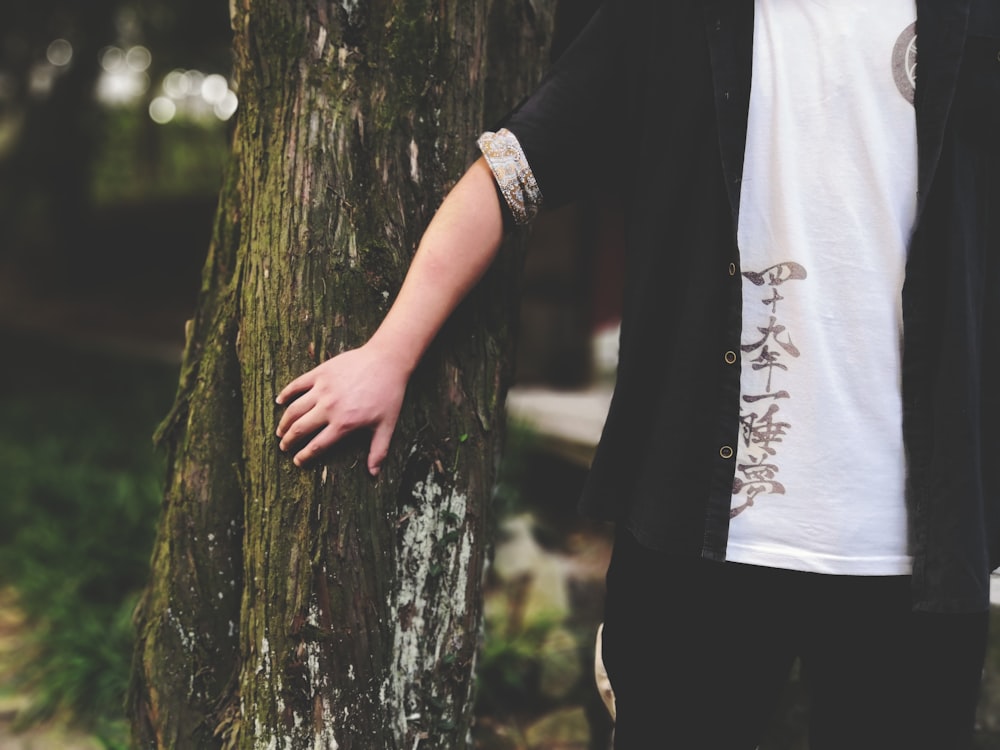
(312, 728)
(350, 6)
(313, 617)
(432, 573)
(319, 681)
(264, 740)
(320, 45)
(186, 637)
(324, 738)
(346, 240)
(314, 122)
(264, 665)
(414, 161)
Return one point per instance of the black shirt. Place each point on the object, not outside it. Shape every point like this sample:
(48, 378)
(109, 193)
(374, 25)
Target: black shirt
(650, 104)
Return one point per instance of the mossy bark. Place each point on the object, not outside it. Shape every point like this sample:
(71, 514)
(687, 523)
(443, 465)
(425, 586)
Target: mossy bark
(319, 608)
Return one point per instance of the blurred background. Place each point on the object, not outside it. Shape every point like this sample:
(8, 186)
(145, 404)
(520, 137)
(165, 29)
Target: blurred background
(113, 132)
(115, 118)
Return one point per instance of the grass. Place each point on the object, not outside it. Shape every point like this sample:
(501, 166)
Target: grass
(79, 496)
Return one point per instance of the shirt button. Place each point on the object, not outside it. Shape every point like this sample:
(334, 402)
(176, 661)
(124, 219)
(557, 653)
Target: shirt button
(732, 269)
(730, 358)
(726, 452)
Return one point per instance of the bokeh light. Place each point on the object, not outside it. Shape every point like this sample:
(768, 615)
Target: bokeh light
(41, 77)
(121, 86)
(138, 58)
(162, 110)
(214, 88)
(124, 80)
(175, 85)
(59, 53)
(194, 79)
(227, 107)
(196, 96)
(112, 59)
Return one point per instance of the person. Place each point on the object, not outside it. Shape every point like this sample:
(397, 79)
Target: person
(796, 454)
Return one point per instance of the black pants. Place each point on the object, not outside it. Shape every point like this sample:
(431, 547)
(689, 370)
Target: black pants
(698, 654)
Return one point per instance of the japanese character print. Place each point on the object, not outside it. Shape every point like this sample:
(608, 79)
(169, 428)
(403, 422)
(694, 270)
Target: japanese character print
(769, 351)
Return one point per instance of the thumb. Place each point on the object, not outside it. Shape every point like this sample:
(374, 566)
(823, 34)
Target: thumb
(380, 446)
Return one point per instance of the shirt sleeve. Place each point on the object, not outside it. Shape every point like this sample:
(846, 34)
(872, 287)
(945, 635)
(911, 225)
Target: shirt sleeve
(559, 143)
(515, 180)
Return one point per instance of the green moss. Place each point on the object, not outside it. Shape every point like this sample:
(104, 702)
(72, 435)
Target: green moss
(407, 63)
(411, 42)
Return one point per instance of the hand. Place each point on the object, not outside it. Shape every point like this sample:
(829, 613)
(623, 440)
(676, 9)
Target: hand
(361, 388)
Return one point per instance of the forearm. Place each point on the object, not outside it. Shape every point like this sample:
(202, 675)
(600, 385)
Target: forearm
(364, 387)
(454, 253)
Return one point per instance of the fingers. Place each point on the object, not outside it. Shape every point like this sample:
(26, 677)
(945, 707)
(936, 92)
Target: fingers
(294, 412)
(357, 389)
(380, 446)
(310, 422)
(320, 442)
(302, 383)
(329, 434)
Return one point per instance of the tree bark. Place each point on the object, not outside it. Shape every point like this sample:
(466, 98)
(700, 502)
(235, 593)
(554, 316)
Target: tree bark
(320, 608)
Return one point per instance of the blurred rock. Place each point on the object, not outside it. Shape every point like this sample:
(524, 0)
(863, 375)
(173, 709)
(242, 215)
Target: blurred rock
(566, 729)
(561, 669)
(519, 557)
(490, 735)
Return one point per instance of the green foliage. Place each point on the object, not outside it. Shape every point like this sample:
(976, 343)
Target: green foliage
(512, 475)
(79, 493)
(508, 670)
(138, 160)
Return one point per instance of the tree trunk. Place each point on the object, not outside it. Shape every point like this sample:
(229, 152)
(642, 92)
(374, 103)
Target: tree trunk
(320, 608)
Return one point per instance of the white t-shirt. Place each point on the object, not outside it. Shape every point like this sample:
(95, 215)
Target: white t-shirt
(827, 206)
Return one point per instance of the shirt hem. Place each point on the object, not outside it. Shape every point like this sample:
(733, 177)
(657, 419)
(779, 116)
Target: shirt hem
(811, 562)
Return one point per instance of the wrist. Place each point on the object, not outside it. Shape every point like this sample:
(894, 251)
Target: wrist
(399, 353)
